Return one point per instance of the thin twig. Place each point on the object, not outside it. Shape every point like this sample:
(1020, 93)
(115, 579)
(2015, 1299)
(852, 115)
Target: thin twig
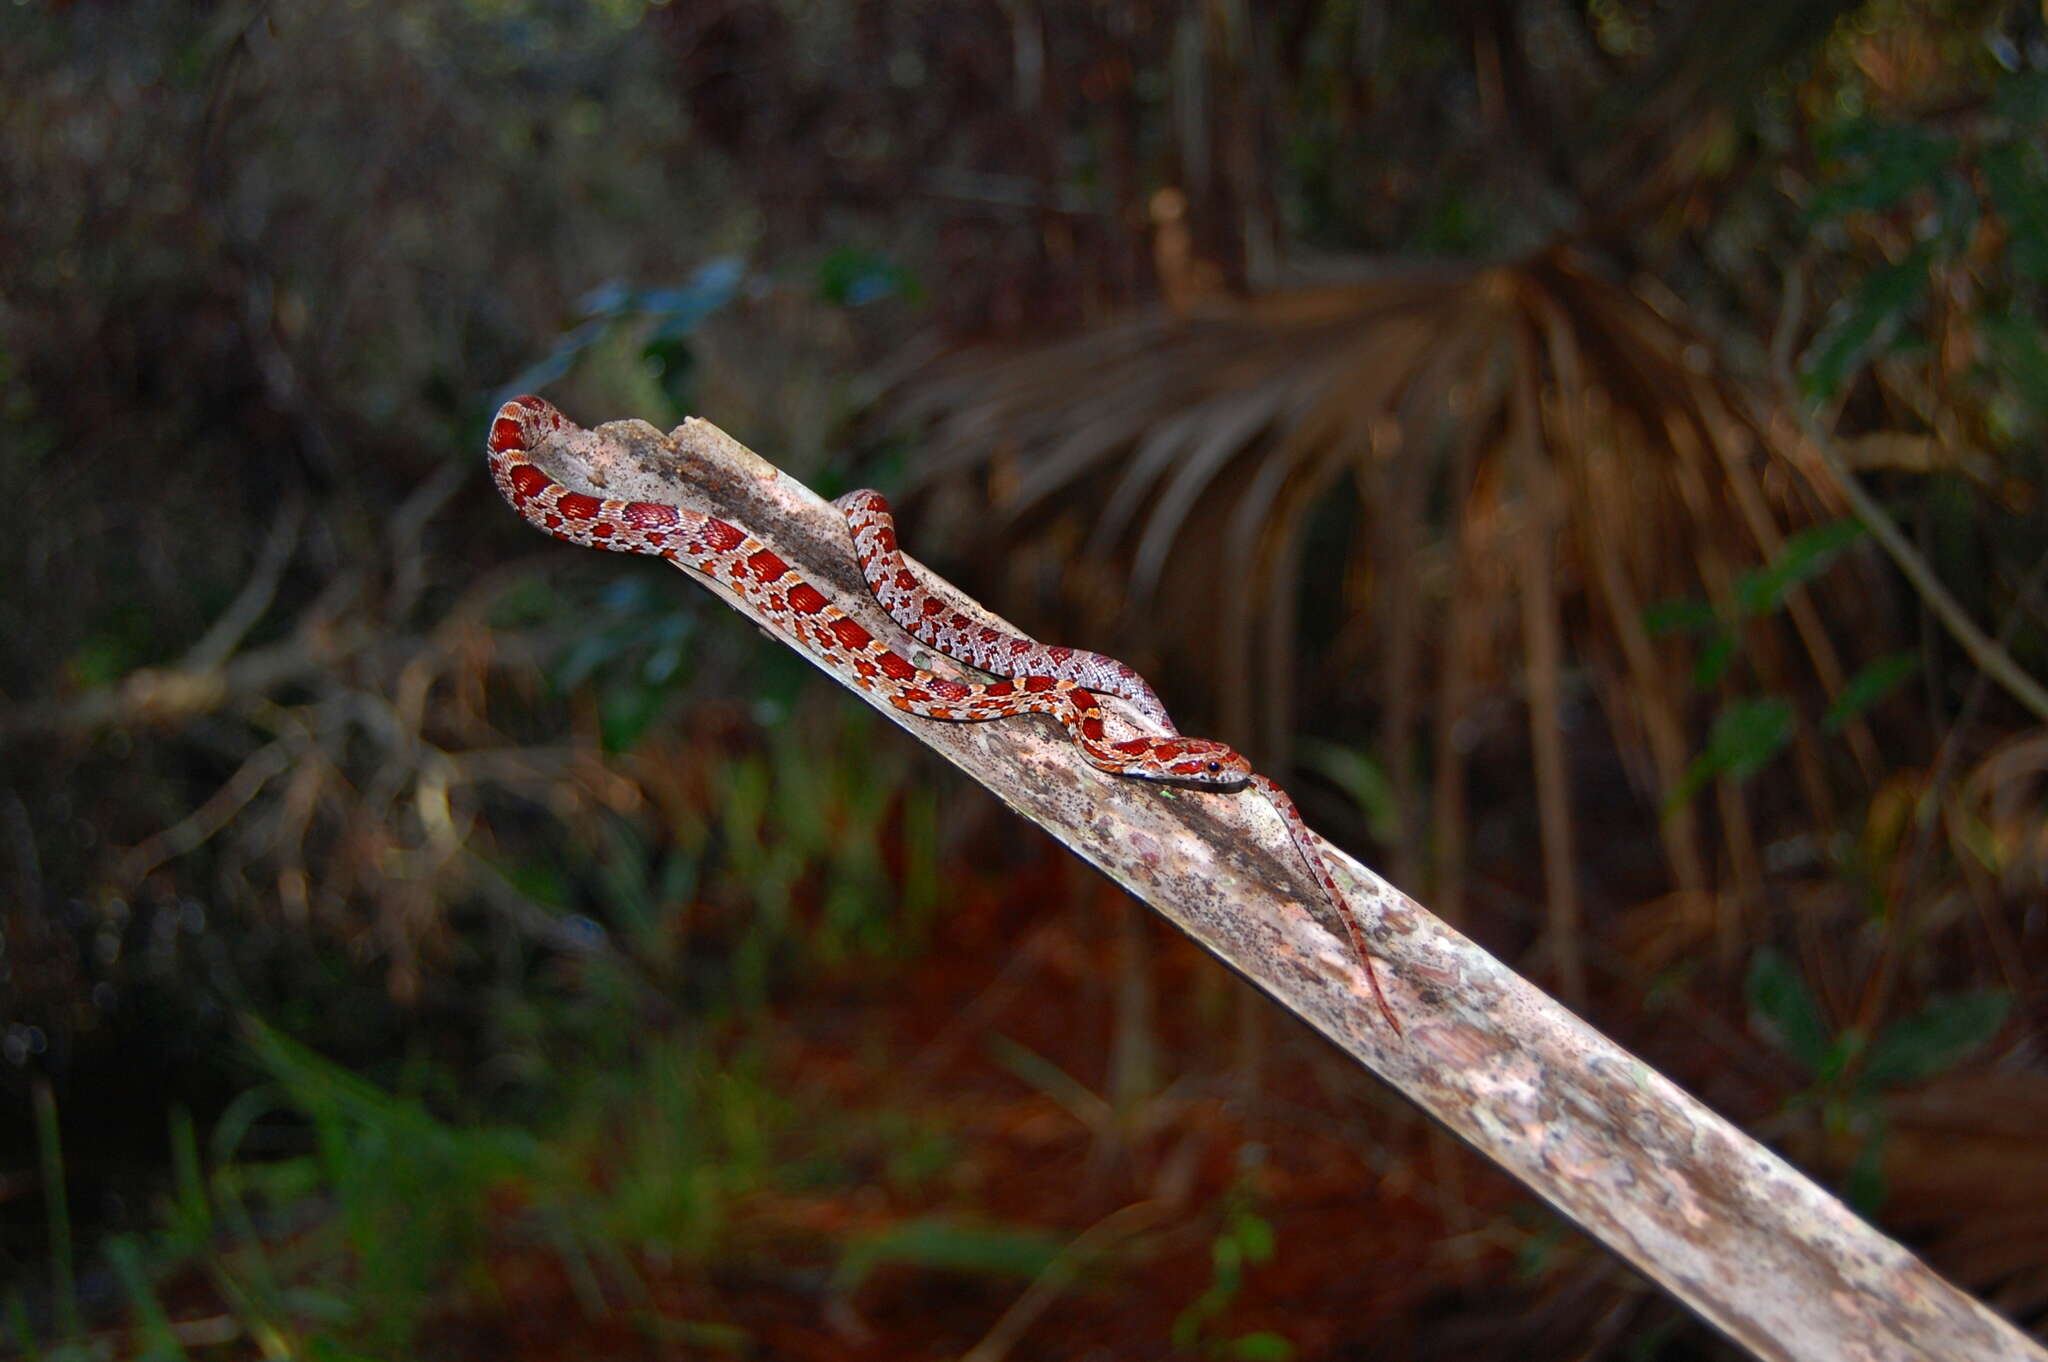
(196, 827)
(167, 696)
(234, 624)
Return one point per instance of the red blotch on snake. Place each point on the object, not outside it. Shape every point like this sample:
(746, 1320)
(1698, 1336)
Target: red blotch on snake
(529, 482)
(721, 537)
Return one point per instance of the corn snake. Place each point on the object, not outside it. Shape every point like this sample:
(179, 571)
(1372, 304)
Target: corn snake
(1038, 678)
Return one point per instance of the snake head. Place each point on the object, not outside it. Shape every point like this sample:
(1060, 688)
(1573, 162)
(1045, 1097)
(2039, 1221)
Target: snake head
(1190, 761)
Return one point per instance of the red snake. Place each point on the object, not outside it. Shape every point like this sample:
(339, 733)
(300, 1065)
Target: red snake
(1041, 679)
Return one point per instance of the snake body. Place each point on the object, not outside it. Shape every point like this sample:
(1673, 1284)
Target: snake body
(1039, 678)
(913, 602)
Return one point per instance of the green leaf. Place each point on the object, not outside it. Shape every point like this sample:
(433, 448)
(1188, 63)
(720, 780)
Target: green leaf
(160, 1341)
(1864, 1186)
(1745, 739)
(2023, 98)
(1864, 325)
(1749, 734)
(852, 277)
(1255, 1235)
(1263, 1346)
(946, 1246)
(672, 363)
(1361, 778)
(1936, 1038)
(100, 661)
(1226, 1256)
(1712, 664)
(1957, 214)
(625, 713)
(1868, 686)
(18, 1327)
(671, 312)
(2015, 175)
(1786, 1011)
(2018, 351)
(1875, 165)
(324, 1349)
(1687, 616)
(1802, 558)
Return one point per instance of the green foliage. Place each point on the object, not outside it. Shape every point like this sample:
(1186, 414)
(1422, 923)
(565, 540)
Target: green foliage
(1871, 683)
(650, 1159)
(57, 1209)
(1802, 558)
(18, 1330)
(1361, 778)
(851, 277)
(1789, 1014)
(1866, 325)
(657, 322)
(681, 1134)
(1759, 591)
(1746, 737)
(409, 1201)
(1948, 1029)
(790, 821)
(636, 647)
(1850, 1072)
(411, 1191)
(1245, 1240)
(159, 1341)
(1941, 187)
(1749, 733)
(946, 1246)
(2020, 355)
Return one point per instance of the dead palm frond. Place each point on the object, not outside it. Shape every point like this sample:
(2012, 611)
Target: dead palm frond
(1535, 455)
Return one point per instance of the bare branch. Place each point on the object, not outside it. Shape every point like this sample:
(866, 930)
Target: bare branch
(235, 623)
(169, 695)
(1728, 1227)
(195, 828)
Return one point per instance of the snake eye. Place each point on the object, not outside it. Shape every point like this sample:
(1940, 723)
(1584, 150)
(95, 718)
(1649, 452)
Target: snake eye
(1215, 766)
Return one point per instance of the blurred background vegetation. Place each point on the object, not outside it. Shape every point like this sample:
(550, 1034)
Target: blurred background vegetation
(420, 939)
